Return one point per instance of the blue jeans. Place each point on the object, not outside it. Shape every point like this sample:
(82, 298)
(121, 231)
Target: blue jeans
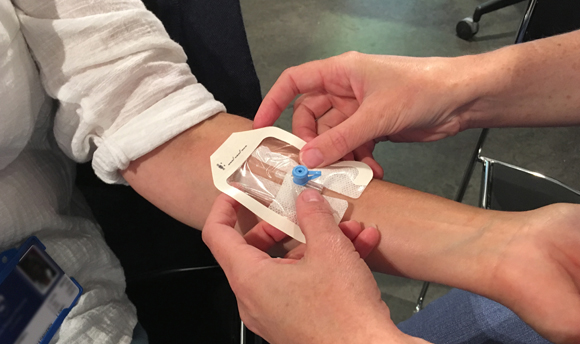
(139, 335)
(466, 318)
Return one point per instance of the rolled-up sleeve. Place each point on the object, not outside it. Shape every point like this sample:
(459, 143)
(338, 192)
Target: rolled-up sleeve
(123, 86)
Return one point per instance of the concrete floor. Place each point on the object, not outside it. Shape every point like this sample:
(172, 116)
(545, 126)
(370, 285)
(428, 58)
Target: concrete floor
(286, 33)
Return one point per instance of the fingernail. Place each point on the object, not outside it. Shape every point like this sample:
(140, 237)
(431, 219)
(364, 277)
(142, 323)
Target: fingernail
(311, 196)
(312, 158)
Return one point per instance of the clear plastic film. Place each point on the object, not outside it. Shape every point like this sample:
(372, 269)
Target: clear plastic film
(267, 177)
(256, 168)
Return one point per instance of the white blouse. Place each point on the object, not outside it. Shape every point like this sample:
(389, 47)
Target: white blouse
(82, 79)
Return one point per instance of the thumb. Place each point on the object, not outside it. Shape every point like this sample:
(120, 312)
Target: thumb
(337, 142)
(316, 220)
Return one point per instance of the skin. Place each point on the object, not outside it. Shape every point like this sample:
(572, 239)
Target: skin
(422, 236)
(424, 99)
(281, 297)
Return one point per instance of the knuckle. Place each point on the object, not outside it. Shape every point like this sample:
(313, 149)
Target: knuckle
(319, 213)
(337, 243)
(321, 208)
(299, 101)
(287, 71)
(339, 141)
(288, 76)
(349, 55)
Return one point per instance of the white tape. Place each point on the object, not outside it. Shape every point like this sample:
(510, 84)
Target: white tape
(285, 202)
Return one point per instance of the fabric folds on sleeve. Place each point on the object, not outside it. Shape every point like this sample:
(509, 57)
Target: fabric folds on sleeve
(123, 85)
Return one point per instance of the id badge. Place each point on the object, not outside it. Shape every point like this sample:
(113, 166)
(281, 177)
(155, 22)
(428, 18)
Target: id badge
(35, 295)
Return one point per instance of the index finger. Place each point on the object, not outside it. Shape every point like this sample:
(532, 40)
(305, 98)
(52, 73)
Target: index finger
(307, 77)
(226, 244)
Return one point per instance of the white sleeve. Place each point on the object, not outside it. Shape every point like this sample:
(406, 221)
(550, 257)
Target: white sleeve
(123, 85)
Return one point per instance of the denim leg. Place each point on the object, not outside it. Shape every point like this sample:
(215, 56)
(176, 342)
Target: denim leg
(139, 335)
(463, 317)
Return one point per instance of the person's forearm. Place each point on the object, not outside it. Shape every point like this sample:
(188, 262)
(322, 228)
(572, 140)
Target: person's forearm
(526, 85)
(430, 238)
(176, 177)
(526, 261)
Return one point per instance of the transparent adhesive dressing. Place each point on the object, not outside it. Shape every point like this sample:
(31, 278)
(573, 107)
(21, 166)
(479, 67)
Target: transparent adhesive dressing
(261, 170)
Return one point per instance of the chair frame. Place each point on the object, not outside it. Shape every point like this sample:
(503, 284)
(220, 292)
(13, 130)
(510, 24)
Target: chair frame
(486, 179)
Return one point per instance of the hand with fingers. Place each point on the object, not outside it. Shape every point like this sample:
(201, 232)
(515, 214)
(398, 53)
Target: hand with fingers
(322, 292)
(350, 101)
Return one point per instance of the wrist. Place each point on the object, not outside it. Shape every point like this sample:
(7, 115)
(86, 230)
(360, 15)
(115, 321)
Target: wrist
(486, 250)
(423, 236)
(479, 82)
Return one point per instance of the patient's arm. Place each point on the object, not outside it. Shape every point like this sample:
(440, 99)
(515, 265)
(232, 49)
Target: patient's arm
(528, 261)
(176, 177)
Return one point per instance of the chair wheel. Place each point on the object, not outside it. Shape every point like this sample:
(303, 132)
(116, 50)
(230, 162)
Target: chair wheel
(467, 28)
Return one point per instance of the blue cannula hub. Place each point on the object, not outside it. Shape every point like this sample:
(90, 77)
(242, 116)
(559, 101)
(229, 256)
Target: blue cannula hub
(302, 175)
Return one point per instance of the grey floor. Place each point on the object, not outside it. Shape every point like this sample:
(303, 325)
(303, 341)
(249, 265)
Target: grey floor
(286, 33)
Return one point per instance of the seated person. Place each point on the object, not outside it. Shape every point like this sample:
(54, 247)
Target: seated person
(102, 80)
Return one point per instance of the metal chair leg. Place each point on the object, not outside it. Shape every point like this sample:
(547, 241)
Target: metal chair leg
(421, 298)
(242, 333)
(244, 336)
(468, 27)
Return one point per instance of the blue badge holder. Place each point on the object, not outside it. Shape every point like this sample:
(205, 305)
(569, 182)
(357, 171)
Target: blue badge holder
(34, 290)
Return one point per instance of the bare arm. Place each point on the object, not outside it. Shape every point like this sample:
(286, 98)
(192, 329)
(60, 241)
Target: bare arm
(530, 84)
(527, 261)
(176, 177)
(348, 100)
